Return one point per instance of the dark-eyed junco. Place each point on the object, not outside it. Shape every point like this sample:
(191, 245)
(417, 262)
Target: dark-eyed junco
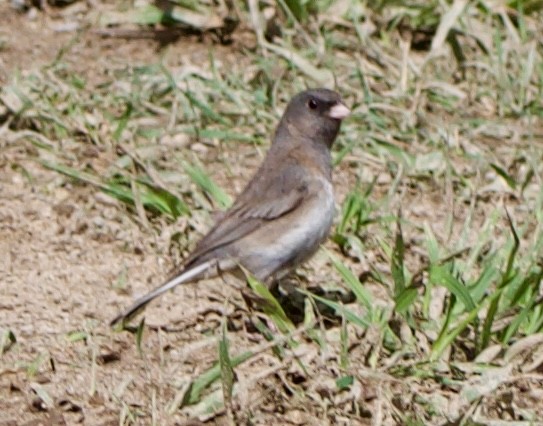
(286, 210)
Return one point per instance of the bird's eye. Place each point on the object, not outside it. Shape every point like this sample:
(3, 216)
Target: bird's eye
(312, 104)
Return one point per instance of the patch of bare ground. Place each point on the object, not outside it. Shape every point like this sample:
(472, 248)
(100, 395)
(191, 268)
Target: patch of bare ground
(72, 257)
(67, 254)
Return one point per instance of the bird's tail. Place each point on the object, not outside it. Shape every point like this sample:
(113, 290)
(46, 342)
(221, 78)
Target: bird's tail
(208, 268)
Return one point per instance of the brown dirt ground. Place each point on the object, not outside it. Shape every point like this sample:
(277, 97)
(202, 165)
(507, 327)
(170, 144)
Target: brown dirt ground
(63, 248)
(66, 249)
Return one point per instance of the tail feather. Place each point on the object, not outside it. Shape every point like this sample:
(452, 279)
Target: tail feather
(187, 276)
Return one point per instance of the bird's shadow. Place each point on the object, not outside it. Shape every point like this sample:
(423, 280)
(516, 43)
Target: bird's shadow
(293, 301)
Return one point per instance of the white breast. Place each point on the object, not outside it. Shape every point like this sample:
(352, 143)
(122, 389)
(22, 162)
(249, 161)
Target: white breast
(316, 224)
(308, 228)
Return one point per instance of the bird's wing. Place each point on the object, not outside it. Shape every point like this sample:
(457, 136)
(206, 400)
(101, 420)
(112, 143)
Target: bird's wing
(268, 196)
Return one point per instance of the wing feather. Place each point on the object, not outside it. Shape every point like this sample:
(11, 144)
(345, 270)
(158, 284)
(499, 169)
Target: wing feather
(259, 202)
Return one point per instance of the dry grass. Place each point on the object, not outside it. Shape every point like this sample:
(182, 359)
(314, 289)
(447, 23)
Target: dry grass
(116, 150)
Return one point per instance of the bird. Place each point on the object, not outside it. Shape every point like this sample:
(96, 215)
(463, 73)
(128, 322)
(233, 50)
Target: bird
(285, 211)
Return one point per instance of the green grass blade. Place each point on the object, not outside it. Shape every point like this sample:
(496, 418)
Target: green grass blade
(441, 275)
(152, 197)
(340, 310)
(227, 370)
(206, 110)
(405, 299)
(362, 295)
(446, 339)
(398, 254)
(204, 181)
(271, 306)
(203, 381)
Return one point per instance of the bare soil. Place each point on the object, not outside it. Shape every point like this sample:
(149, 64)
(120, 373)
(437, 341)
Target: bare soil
(71, 258)
(65, 248)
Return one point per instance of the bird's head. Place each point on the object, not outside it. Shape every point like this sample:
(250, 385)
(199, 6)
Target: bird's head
(315, 114)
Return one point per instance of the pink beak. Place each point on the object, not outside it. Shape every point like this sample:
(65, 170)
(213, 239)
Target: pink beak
(339, 111)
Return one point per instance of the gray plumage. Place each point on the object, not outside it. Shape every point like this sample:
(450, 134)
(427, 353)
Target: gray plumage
(285, 211)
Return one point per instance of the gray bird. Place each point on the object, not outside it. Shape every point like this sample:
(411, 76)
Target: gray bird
(284, 213)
